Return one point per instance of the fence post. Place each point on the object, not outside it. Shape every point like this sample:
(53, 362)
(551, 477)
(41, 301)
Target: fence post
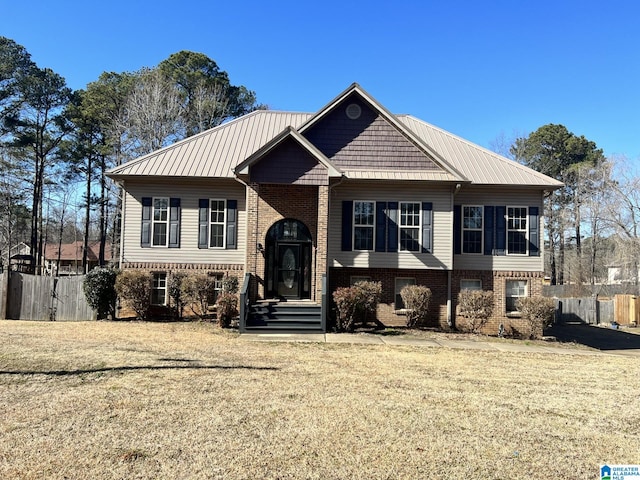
(4, 294)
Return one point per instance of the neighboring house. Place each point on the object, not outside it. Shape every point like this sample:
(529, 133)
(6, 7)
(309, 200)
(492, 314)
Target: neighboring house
(70, 255)
(349, 193)
(20, 259)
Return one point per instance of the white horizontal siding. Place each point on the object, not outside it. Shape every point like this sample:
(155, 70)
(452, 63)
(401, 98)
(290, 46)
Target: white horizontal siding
(189, 192)
(507, 197)
(439, 196)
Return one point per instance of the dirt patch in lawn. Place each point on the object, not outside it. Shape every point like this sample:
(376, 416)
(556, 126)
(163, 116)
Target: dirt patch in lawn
(188, 400)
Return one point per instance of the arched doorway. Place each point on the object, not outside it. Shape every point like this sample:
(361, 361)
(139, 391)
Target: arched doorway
(288, 260)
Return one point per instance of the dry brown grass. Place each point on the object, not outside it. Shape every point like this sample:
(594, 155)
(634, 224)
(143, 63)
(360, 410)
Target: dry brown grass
(180, 401)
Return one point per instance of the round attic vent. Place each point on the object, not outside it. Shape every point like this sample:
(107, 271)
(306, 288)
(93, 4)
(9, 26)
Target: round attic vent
(353, 111)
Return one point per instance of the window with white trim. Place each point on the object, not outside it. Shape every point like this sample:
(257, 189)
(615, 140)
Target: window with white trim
(159, 289)
(517, 230)
(160, 219)
(217, 222)
(410, 226)
(472, 229)
(514, 290)
(216, 279)
(402, 282)
(363, 225)
(470, 284)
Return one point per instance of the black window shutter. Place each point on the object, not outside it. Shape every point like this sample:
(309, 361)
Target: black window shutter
(381, 226)
(145, 231)
(534, 232)
(501, 230)
(232, 224)
(203, 223)
(174, 223)
(488, 230)
(347, 224)
(427, 227)
(392, 227)
(457, 229)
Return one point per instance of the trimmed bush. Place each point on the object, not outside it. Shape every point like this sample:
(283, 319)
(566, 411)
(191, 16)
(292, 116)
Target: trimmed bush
(176, 296)
(226, 308)
(197, 291)
(356, 304)
(538, 313)
(416, 300)
(100, 291)
(134, 289)
(476, 306)
(230, 283)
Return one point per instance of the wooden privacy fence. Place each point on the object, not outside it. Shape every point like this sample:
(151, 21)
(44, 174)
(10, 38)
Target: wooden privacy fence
(623, 309)
(33, 297)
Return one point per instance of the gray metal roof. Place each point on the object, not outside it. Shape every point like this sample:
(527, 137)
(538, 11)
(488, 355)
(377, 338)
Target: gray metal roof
(217, 152)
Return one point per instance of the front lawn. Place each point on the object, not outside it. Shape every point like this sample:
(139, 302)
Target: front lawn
(107, 400)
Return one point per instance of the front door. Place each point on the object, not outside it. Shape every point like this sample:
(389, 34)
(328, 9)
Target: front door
(289, 274)
(288, 260)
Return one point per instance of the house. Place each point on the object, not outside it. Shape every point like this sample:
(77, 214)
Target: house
(70, 256)
(299, 204)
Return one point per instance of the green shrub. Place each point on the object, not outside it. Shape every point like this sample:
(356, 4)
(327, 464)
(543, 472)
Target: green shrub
(476, 306)
(416, 300)
(176, 296)
(538, 312)
(100, 291)
(197, 290)
(356, 304)
(226, 308)
(134, 289)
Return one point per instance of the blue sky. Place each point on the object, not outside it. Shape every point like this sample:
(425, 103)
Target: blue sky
(477, 69)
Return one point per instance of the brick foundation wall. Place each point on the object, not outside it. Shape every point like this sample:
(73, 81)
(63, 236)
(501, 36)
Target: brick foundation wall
(496, 281)
(436, 280)
(160, 311)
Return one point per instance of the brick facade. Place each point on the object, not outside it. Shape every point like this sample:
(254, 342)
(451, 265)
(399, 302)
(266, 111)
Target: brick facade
(496, 281)
(436, 280)
(159, 311)
(269, 203)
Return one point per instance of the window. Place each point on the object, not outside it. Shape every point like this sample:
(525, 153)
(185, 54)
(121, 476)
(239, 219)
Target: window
(400, 284)
(517, 230)
(514, 289)
(217, 223)
(409, 226)
(363, 224)
(160, 221)
(472, 229)
(159, 289)
(217, 288)
(468, 284)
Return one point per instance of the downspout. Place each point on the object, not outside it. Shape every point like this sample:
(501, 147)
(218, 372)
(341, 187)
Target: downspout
(450, 315)
(123, 209)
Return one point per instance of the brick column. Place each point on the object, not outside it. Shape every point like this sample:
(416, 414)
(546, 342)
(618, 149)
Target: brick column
(252, 239)
(321, 266)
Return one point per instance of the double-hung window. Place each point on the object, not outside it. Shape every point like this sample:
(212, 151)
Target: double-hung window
(514, 290)
(160, 221)
(217, 224)
(363, 225)
(159, 289)
(517, 230)
(472, 229)
(409, 226)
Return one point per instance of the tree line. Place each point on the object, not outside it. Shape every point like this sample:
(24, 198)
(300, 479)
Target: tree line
(592, 221)
(54, 138)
